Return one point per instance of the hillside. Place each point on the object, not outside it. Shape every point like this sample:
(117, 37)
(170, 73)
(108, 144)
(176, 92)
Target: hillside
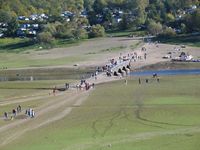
(28, 7)
(47, 20)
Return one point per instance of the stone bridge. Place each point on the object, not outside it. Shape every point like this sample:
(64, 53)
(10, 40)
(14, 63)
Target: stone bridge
(122, 68)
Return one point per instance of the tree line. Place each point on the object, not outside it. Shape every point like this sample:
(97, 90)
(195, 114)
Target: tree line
(158, 17)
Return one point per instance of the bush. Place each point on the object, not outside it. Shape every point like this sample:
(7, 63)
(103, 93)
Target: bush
(64, 31)
(154, 28)
(97, 31)
(80, 34)
(45, 38)
(168, 32)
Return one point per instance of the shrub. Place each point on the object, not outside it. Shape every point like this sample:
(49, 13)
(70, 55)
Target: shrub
(97, 31)
(168, 32)
(45, 38)
(80, 34)
(154, 28)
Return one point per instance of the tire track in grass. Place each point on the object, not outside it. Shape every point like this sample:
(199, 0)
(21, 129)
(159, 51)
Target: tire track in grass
(111, 122)
(106, 143)
(140, 105)
(96, 130)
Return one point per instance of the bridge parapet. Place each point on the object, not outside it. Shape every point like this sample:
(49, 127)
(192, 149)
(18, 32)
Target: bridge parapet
(121, 68)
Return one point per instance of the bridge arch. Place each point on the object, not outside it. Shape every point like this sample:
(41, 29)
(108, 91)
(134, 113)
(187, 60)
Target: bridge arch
(115, 73)
(128, 66)
(120, 70)
(124, 68)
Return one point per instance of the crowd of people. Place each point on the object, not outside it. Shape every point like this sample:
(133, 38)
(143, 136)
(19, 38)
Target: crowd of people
(132, 56)
(30, 112)
(16, 111)
(146, 80)
(11, 115)
(84, 85)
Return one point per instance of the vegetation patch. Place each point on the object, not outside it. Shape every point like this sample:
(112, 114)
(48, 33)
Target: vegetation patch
(190, 40)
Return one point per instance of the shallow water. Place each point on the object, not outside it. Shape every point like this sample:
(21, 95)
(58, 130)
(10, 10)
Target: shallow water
(166, 72)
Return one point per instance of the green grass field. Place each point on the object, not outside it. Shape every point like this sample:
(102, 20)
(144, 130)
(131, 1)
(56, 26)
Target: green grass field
(11, 89)
(11, 60)
(45, 74)
(190, 40)
(153, 116)
(16, 45)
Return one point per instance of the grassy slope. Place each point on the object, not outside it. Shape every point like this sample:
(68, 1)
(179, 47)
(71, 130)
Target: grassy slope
(17, 60)
(21, 57)
(115, 113)
(191, 40)
(46, 73)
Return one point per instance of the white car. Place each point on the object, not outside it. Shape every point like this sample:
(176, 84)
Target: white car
(168, 56)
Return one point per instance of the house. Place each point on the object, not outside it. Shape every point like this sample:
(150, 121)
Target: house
(26, 19)
(21, 18)
(31, 33)
(35, 26)
(193, 7)
(44, 16)
(25, 26)
(84, 14)
(1, 35)
(21, 33)
(117, 19)
(67, 14)
(33, 17)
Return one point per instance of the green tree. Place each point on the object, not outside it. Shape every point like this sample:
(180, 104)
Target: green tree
(92, 17)
(193, 22)
(154, 28)
(99, 5)
(5, 16)
(97, 31)
(183, 28)
(64, 31)
(45, 38)
(88, 4)
(80, 34)
(123, 25)
(169, 17)
(12, 27)
(168, 32)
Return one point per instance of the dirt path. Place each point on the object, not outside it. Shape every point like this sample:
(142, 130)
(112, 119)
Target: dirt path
(23, 99)
(46, 114)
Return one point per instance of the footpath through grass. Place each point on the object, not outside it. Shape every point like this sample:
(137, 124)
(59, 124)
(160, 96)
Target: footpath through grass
(116, 116)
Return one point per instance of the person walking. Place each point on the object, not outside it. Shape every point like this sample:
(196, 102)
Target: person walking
(145, 56)
(33, 114)
(126, 82)
(139, 81)
(19, 108)
(5, 115)
(14, 112)
(30, 112)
